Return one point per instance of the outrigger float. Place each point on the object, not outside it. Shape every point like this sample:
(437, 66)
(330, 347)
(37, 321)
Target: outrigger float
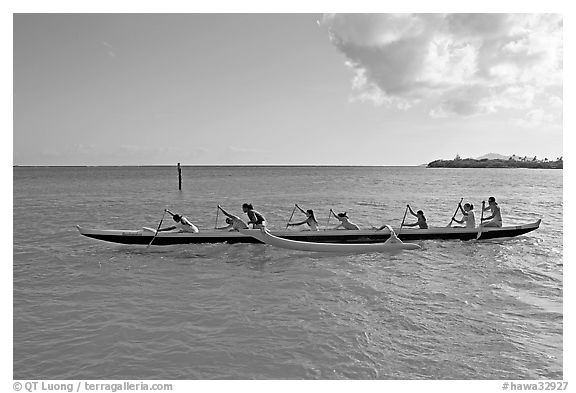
(391, 246)
(145, 235)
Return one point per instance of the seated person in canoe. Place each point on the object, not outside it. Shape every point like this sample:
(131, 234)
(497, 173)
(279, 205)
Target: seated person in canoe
(422, 224)
(344, 221)
(235, 223)
(467, 215)
(256, 219)
(182, 224)
(495, 220)
(310, 219)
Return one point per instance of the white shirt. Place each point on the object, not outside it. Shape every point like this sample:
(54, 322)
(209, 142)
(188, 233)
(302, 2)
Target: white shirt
(345, 222)
(470, 219)
(186, 226)
(313, 225)
(238, 224)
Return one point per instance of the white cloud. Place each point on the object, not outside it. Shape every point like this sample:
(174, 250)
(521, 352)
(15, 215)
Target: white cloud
(535, 118)
(468, 63)
(109, 49)
(241, 150)
(126, 154)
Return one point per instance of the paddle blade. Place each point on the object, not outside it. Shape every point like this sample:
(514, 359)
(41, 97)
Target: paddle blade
(479, 233)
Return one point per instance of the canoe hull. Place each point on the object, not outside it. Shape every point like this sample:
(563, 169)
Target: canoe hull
(144, 237)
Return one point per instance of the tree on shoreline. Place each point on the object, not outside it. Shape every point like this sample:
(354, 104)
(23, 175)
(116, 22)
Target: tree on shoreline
(497, 163)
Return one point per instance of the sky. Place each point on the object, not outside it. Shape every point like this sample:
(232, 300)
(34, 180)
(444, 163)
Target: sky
(284, 89)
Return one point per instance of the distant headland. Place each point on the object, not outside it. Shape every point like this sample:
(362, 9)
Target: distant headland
(498, 161)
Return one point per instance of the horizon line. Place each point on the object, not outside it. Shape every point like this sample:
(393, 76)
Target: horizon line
(211, 165)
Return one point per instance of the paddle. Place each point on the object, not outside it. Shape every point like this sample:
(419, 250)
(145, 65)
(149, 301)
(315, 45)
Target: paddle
(329, 217)
(403, 218)
(159, 225)
(291, 215)
(455, 211)
(481, 218)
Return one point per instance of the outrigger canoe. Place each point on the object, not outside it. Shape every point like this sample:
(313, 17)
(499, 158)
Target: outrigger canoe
(392, 246)
(144, 236)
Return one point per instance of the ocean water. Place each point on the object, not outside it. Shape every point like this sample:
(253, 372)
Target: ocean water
(86, 309)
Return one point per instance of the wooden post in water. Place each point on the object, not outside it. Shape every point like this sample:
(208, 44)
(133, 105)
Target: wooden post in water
(179, 177)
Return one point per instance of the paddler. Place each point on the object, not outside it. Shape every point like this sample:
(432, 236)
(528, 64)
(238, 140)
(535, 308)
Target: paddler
(495, 220)
(310, 219)
(256, 219)
(422, 224)
(467, 215)
(344, 221)
(235, 223)
(182, 224)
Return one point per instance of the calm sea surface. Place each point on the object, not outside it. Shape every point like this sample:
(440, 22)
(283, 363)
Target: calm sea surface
(86, 309)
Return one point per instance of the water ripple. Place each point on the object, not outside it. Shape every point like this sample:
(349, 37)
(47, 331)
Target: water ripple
(85, 309)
